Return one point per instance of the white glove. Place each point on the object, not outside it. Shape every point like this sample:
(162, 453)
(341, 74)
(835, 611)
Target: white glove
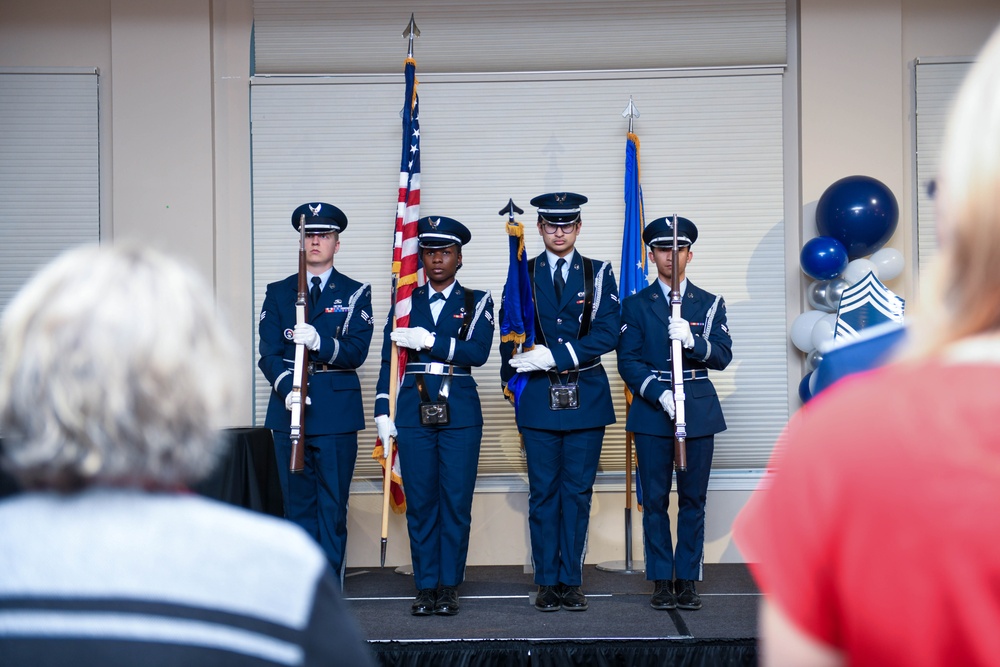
(667, 403)
(386, 429)
(538, 359)
(680, 330)
(306, 334)
(415, 338)
(288, 401)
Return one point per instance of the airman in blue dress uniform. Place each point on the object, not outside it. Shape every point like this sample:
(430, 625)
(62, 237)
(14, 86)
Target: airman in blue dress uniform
(338, 336)
(438, 416)
(566, 403)
(644, 362)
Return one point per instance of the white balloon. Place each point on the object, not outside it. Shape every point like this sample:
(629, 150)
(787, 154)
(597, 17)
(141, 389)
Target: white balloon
(823, 330)
(802, 326)
(859, 268)
(889, 262)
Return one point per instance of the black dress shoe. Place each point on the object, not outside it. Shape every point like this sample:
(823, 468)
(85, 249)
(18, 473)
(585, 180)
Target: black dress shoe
(423, 604)
(573, 599)
(687, 596)
(663, 595)
(447, 602)
(547, 599)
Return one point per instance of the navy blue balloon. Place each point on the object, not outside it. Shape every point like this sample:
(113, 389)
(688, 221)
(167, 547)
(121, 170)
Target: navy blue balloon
(804, 393)
(823, 258)
(860, 212)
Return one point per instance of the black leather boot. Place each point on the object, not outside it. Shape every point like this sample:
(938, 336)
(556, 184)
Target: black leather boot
(687, 596)
(663, 595)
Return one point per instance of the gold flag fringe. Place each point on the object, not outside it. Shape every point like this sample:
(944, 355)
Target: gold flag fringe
(516, 229)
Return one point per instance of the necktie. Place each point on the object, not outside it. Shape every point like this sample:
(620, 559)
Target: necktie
(557, 280)
(314, 292)
(437, 296)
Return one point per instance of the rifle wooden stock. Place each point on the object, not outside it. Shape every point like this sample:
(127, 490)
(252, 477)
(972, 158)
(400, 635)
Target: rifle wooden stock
(300, 372)
(677, 361)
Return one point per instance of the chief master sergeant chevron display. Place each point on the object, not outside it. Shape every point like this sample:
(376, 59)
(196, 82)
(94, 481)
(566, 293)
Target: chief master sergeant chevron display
(644, 362)
(338, 334)
(566, 402)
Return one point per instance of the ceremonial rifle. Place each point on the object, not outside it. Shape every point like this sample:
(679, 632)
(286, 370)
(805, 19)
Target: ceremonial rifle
(300, 372)
(676, 357)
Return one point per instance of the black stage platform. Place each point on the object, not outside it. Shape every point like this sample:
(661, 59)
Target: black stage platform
(499, 626)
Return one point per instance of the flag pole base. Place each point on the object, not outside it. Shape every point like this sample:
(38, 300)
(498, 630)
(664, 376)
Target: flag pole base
(622, 567)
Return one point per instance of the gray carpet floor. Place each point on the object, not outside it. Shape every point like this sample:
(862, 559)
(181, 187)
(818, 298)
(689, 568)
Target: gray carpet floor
(496, 604)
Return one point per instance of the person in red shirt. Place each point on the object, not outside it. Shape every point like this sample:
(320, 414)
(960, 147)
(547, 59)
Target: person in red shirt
(876, 543)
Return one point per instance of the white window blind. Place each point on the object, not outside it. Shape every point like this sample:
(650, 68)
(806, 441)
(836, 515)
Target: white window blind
(936, 82)
(49, 184)
(711, 150)
(354, 37)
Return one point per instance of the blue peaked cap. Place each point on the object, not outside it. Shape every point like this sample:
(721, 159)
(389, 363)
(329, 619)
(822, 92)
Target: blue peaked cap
(559, 208)
(436, 231)
(320, 218)
(660, 233)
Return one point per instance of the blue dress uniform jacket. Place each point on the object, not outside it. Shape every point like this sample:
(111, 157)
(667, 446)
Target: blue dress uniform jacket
(643, 351)
(560, 322)
(439, 462)
(316, 498)
(644, 347)
(343, 319)
(463, 399)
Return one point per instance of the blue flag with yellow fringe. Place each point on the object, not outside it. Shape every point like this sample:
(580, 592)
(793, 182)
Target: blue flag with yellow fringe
(633, 266)
(517, 324)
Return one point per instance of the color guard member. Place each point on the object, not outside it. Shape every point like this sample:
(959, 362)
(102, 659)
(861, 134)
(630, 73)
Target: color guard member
(438, 415)
(338, 336)
(644, 362)
(566, 403)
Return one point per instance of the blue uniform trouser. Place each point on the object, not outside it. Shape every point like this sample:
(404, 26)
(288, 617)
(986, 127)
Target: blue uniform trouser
(438, 467)
(656, 463)
(562, 466)
(316, 498)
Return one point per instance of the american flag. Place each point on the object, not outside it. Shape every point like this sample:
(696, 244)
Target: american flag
(405, 256)
(406, 271)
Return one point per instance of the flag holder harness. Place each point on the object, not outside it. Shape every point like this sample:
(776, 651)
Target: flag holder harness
(566, 395)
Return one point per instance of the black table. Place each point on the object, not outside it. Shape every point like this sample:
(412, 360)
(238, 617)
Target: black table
(247, 475)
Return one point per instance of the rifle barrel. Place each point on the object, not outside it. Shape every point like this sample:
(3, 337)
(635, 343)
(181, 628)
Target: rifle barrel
(677, 360)
(300, 372)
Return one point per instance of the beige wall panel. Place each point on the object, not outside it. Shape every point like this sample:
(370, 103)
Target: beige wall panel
(162, 127)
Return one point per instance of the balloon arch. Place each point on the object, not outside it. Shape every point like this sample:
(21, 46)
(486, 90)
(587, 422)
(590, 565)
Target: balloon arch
(856, 216)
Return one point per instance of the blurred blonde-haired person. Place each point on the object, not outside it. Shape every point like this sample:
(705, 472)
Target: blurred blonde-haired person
(116, 376)
(877, 543)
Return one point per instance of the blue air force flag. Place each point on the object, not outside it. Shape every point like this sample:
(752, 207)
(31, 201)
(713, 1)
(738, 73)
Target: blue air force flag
(517, 324)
